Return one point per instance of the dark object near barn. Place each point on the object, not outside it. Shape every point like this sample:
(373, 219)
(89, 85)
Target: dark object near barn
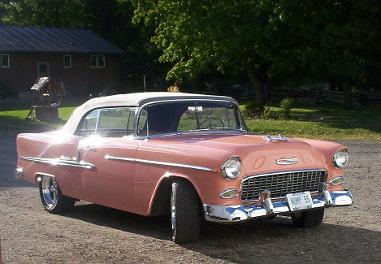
(47, 96)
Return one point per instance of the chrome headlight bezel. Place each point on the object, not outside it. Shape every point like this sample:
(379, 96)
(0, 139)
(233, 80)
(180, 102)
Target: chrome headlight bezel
(340, 158)
(228, 165)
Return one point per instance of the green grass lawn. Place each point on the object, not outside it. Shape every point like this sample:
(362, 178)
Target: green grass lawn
(16, 120)
(324, 121)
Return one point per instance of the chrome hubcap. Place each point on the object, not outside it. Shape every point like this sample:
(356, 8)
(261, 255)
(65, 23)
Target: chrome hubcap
(49, 190)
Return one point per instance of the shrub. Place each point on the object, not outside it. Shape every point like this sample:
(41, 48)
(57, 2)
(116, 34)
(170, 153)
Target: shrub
(268, 113)
(286, 104)
(253, 110)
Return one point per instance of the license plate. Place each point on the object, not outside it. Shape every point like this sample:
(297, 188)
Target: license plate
(299, 201)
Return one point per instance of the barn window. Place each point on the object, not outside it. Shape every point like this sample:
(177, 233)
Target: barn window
(97, 61)
(67, 61)
(42, 69)
(4, 60)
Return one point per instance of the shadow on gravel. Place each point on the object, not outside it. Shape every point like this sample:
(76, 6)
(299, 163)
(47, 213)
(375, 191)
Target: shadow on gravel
(157, 227)
(269, 241)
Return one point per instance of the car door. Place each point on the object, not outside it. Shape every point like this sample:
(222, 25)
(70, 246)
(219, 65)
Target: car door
(109, 149)
(68, 174)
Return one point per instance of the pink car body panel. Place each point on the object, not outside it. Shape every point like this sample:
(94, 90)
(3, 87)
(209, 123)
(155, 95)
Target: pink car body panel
(131, 186)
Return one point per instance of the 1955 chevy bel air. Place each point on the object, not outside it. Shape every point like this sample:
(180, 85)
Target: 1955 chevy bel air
(188, 155)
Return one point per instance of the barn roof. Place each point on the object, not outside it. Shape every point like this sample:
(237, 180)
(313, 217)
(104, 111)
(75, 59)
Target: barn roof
(44, 39)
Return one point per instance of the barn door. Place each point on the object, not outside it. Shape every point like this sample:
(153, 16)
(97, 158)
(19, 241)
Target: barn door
(42, 69)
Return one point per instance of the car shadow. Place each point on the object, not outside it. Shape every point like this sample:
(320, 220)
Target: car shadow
(157, 226)
(270, 241)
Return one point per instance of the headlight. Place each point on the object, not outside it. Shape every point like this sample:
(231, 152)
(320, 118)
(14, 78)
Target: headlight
(340, 158)
(231, 168)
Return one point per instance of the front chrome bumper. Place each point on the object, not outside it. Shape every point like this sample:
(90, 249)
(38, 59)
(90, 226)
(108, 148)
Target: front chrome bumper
(237, 213)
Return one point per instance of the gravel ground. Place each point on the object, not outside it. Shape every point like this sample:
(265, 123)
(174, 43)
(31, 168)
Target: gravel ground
(95, 234)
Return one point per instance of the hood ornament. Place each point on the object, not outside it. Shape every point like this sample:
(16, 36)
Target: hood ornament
(278, 138)
(287, 161)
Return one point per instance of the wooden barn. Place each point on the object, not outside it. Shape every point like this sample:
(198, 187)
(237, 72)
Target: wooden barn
(84, 61)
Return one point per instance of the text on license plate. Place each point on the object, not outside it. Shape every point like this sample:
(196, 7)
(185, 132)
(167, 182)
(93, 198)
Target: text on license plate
(299, 201)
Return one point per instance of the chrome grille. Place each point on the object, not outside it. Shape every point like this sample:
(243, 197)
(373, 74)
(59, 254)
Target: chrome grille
(280, 184)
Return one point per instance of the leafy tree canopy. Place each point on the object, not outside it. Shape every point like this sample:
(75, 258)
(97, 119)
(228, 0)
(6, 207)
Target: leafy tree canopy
(287, 39)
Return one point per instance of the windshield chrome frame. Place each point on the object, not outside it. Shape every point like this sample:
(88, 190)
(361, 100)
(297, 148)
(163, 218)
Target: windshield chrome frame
(137, 116)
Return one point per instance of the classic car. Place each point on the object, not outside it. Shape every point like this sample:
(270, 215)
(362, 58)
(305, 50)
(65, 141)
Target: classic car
(186, 155)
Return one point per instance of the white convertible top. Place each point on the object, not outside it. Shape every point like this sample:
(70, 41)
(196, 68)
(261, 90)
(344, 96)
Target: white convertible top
(131, 99)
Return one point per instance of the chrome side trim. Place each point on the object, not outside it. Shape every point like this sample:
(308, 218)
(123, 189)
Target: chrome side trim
(169, 164)
(60, 162)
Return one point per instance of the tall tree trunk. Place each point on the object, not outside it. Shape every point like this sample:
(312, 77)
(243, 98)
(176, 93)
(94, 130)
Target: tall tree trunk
(258, 82)
(347, 95)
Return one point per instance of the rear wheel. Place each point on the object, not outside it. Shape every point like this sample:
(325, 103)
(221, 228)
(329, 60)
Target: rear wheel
(51, 197)
(308, 219)
(185, 212)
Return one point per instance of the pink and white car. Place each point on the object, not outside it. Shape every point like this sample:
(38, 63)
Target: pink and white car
(188, 155)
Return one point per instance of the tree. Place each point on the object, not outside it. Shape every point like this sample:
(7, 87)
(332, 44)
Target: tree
(58, 13)
(270, 40)
(197, 35)
(339, 40)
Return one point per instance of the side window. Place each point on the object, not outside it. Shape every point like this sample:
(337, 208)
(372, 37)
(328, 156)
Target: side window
(108, 122)
(88, 125)
(142, 126)
(116, 122)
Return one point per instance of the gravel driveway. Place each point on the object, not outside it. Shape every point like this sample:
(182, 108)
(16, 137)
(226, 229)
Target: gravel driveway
(95, 234)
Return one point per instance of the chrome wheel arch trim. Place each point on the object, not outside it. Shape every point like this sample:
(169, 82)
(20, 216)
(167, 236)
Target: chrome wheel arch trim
(153, 162)
(38, 175)
(60, 162)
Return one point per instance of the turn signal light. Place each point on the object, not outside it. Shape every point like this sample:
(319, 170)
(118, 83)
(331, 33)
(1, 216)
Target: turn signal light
(337, 180)
(229, 193)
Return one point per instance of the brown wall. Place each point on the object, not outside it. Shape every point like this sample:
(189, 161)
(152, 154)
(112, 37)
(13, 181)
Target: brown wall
(79, 79)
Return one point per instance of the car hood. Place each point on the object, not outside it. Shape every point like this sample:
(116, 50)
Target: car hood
(257, 153)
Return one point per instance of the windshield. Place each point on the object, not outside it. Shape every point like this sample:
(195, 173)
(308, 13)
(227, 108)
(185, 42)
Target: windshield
(180, 117)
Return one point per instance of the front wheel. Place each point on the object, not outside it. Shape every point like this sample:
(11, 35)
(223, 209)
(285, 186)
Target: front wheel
(308, 219)
(51, 196)
(185, 212)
